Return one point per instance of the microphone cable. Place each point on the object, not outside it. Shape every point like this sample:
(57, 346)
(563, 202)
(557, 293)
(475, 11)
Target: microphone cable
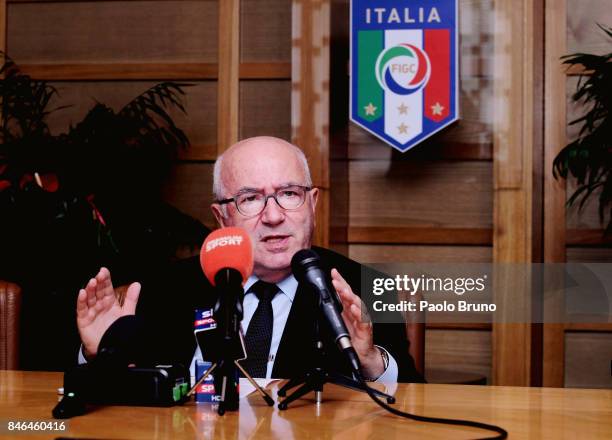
(502, 433)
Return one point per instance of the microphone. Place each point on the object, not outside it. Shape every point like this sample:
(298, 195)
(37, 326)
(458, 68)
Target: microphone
(227, 254)
(306, 267)
(227, 261)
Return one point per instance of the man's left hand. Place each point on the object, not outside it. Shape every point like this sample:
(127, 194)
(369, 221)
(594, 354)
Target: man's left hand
(359, 326)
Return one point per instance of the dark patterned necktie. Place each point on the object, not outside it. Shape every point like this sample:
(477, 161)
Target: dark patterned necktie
(259, 334)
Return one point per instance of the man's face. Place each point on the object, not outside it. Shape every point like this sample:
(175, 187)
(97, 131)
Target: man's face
(268, 165)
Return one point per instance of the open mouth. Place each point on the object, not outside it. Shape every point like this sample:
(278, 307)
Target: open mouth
(275, 239)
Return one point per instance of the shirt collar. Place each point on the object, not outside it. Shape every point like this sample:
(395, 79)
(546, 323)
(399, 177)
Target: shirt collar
(288, 286)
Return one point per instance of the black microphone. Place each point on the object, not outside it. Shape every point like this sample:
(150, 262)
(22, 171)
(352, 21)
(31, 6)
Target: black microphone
(306, 267)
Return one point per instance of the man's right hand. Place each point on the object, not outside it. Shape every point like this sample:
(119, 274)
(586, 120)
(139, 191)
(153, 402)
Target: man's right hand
(98, 307)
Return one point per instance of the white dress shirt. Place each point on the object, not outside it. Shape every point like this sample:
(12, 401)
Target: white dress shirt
(281, 306)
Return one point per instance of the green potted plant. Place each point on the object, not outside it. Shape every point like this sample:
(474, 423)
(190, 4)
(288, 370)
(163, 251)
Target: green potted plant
(88, 197)
(588, 158)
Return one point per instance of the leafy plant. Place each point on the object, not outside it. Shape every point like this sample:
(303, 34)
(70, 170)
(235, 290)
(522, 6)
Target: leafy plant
(589, 157)
(92, 194)
(72, 202)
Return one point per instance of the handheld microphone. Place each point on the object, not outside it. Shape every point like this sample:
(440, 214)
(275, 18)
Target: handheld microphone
(306, 267)
(227, 251)
(227, 261)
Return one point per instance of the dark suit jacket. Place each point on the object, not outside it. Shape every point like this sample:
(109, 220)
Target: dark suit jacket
(168, 300)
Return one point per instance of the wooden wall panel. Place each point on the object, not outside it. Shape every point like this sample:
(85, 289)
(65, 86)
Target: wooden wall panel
(3, 19)
(516, 150)
(200, 103)
(583, 35)
(429, 194)
(228, 91)
(269, 43)
(129, 31)
(587, 360)
(265, 109)
(190, 190)
(339, 196)
(310, 98)
(589, 254)
(554, 228)
(467, 351)
(367, 253)
(476, 37)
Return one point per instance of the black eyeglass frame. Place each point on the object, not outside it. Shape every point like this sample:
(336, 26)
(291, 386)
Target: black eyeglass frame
(269, 196)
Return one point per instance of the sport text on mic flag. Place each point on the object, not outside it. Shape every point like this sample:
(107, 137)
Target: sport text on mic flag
(227, 248)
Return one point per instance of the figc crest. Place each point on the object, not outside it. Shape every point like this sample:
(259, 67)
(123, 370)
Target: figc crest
(404, 71)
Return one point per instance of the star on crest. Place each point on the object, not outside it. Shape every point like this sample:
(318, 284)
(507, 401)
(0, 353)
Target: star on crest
(403, 109)
(403, 128)
(370, 109)
(437, 109)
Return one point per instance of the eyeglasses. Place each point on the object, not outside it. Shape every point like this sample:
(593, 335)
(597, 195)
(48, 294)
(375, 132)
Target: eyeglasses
(252, 203)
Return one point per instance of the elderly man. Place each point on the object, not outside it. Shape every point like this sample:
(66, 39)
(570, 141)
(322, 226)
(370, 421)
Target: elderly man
(263, 185)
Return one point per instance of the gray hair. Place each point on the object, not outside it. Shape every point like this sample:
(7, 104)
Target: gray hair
(219, 192)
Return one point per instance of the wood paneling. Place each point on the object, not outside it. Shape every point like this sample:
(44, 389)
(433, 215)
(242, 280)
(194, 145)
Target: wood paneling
(132, 32)
(587, 360)
(466, 146)
(200, 103)
(265, 109)
(339, 125)
(265, 34)
(554, 191)
(467, 351)
(228, 92)
(3, 10)
(476, 38)
(577, 69)
(310, 98)
(120, 71)
(583, 35)
(589, 327)
(189, 189)
(586, 237)
(419, 235)
(589, 255)
(420, 194)
(368, 253)
(339, 218)
(151, 71)
(514, 149)
(265, 70)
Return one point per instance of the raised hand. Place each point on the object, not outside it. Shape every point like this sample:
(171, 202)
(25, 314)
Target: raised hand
(98, 307)
(359, 326)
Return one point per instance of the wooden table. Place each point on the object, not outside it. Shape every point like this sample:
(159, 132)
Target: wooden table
(525, 412)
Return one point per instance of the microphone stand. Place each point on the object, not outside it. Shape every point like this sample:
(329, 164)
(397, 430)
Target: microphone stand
(317, 377)
(229, 305)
